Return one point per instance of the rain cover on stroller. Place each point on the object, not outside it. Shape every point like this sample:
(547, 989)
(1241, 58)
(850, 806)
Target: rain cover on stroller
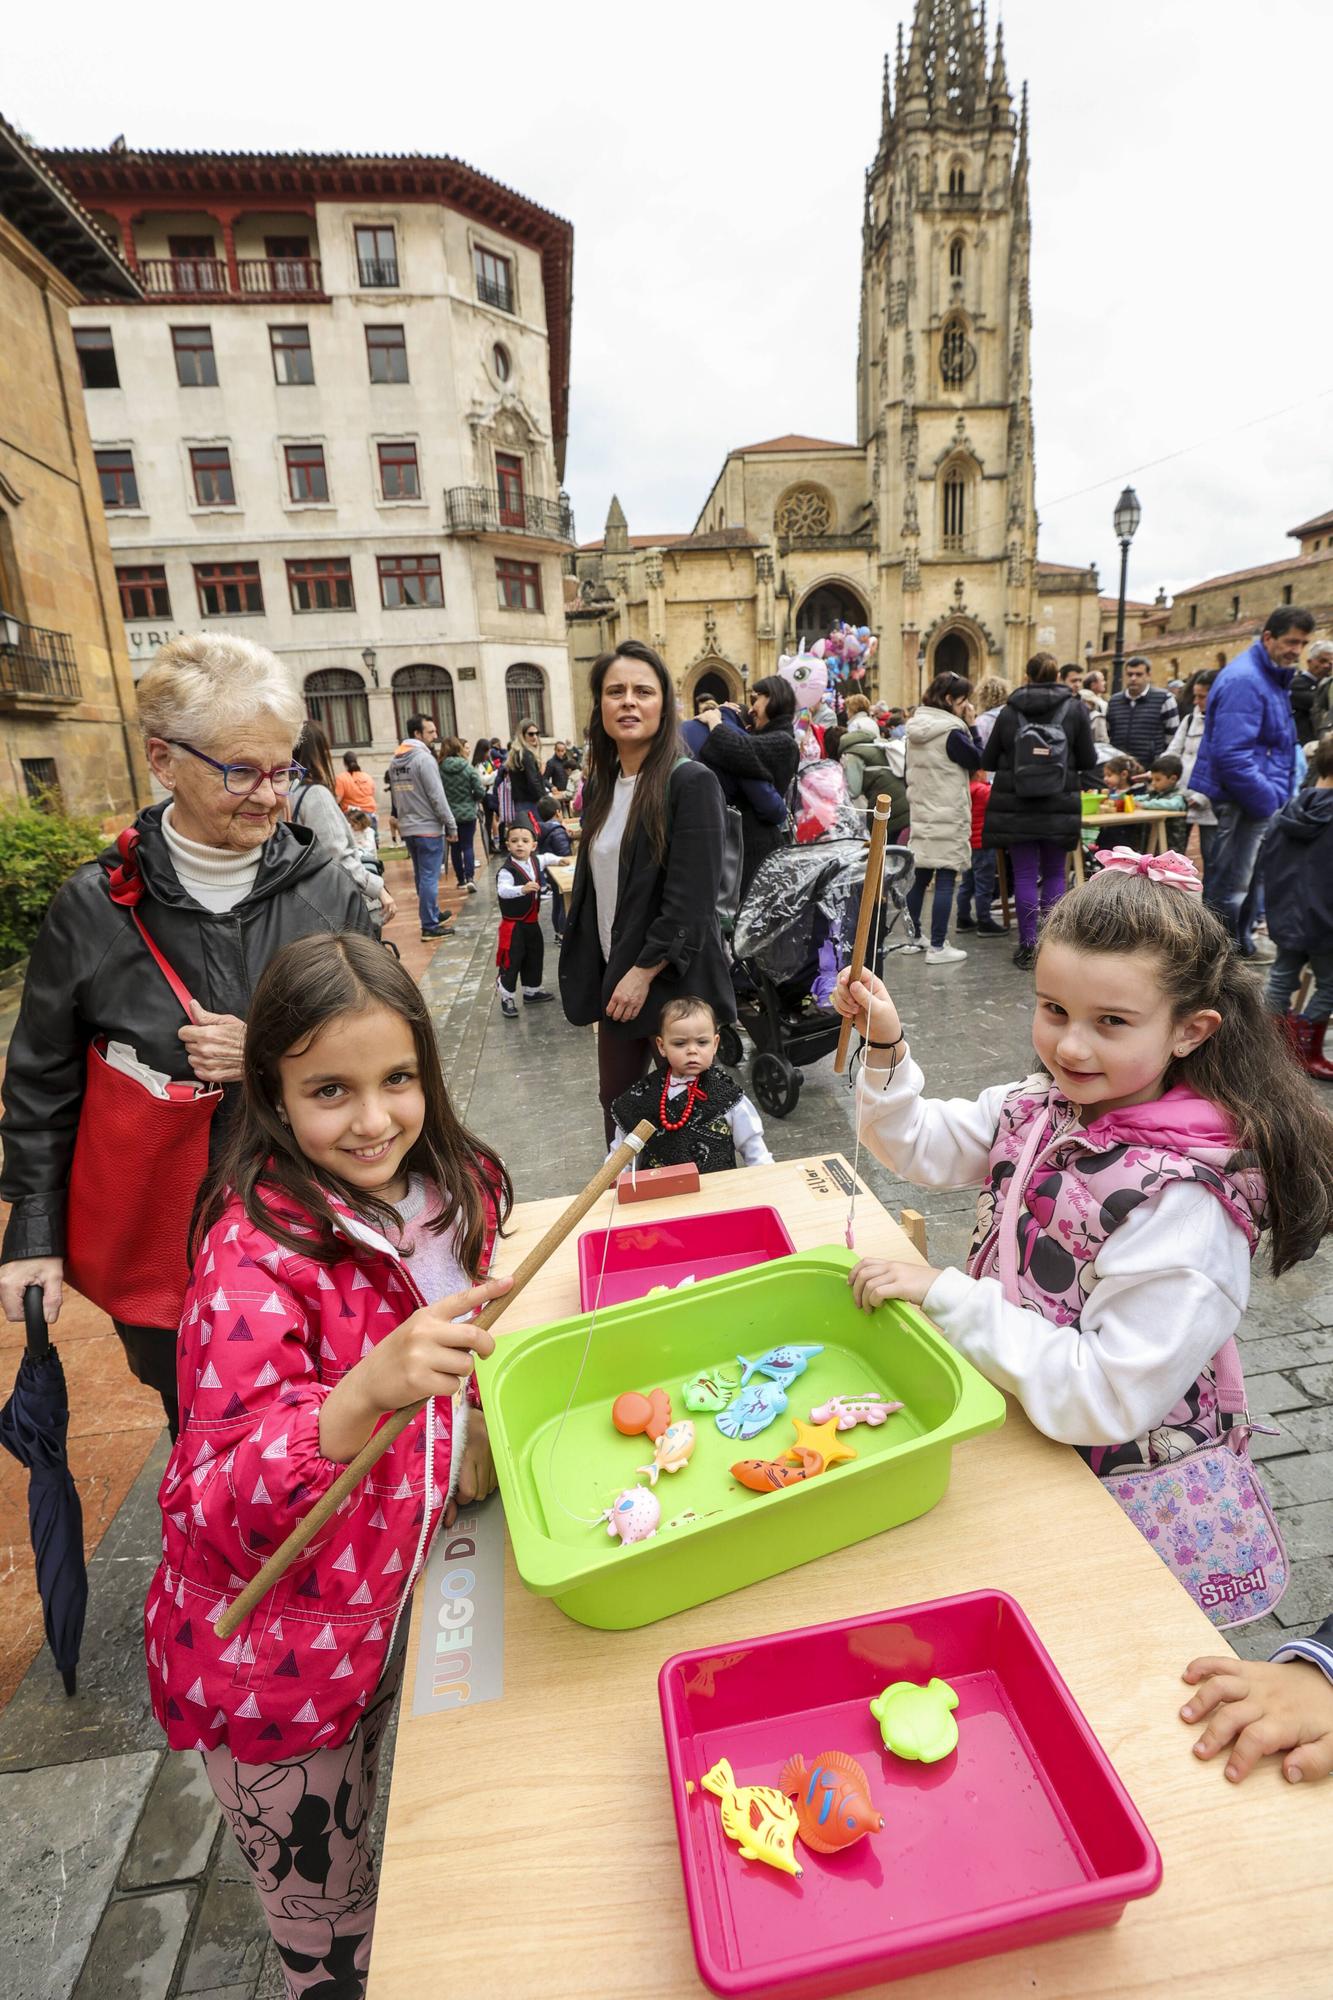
(803, 899)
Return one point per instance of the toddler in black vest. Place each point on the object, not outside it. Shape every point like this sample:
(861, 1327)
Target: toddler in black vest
(700, 1113)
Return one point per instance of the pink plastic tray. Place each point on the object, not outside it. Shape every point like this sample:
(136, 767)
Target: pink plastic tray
(644, 1254)
(1023, 1833)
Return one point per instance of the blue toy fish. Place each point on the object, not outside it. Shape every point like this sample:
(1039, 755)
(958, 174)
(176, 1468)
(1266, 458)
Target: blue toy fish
(753, 1410)
(780, 1364)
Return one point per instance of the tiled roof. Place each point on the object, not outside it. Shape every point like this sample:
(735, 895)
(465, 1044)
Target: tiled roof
(1063, 569)
(1312, 527)
(717, 538)
(1131, 604)
(44, 211)
(635, 542)
(793, 441)
(1287, 565)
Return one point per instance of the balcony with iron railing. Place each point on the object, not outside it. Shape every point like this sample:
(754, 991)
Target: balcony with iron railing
(479, 510)
(377, 274)
(209, 278)
(36, 665)
(492, 294)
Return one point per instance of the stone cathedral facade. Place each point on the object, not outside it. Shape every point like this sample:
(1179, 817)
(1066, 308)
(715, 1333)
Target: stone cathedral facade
(925, 528)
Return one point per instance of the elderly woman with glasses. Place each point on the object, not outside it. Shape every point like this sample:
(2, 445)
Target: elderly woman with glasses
(226, 883)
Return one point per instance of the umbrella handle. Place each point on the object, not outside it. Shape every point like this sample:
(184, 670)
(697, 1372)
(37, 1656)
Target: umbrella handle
(34, 1319)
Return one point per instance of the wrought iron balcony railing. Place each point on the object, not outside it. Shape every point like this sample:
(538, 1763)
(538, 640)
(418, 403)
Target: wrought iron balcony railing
(378, 273)
(477, 510)
(38, 663)
(499, 296)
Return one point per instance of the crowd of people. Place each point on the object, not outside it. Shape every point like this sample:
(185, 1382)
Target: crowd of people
(343, 1221)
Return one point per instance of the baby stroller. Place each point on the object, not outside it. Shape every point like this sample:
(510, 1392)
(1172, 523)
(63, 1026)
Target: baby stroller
(794, 932)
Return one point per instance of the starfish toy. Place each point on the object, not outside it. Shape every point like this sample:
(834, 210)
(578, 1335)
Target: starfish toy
(821, 1439)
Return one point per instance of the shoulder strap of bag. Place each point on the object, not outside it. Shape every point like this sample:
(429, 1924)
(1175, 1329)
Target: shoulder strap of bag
(1229, 1380)
(126, 889)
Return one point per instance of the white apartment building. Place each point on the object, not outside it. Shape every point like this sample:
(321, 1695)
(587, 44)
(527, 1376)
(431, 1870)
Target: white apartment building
(336, 423)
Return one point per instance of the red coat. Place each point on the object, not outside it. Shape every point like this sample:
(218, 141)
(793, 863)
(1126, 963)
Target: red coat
(265, 1334)
(979, 788)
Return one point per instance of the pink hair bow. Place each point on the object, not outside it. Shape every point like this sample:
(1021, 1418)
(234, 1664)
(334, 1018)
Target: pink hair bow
(1173, 871)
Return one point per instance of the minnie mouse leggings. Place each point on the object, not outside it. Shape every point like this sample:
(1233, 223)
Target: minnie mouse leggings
(304, 1829)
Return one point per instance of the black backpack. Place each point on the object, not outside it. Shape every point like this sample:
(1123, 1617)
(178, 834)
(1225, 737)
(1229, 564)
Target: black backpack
(1041, 759)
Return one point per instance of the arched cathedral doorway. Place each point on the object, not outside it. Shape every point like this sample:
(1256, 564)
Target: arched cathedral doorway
(952, 654)
(710, 684)
(824, 607)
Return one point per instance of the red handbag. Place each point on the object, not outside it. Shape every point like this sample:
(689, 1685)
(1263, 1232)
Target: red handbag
(139, 1162)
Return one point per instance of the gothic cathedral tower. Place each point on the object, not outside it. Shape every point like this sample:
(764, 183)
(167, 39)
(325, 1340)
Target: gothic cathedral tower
(944, 389)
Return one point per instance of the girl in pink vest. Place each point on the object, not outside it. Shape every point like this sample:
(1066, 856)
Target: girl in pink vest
(1167, 1129)
(339, 1243)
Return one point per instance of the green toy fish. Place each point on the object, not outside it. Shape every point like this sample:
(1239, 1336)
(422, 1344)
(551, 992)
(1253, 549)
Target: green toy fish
(713, 1390)
(917, 1723)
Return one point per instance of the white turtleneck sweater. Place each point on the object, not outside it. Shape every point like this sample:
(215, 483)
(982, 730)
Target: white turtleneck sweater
(217, 877)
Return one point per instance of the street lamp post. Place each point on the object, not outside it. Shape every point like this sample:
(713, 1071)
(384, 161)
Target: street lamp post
(1128, 514)
(369, 655)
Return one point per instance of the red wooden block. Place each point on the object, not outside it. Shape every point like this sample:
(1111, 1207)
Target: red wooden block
(652, 1183)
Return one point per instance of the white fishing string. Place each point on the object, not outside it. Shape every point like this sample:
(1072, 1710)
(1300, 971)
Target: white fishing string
(585, 1520)
(872, 961)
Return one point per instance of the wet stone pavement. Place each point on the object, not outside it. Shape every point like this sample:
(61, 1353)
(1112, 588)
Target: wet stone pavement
(121, 1881)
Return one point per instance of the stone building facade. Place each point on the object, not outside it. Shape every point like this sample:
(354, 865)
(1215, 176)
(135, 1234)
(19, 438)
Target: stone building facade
(1212, 621)
(66, 696)
(925, 528)
(335, 421)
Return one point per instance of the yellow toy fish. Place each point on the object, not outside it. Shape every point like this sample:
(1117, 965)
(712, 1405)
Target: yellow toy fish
(759, 1818)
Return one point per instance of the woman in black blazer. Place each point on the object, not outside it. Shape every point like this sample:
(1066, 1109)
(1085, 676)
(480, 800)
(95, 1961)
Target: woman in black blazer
(642, 924)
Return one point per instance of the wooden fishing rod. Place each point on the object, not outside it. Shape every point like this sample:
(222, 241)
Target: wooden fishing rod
(870, 894)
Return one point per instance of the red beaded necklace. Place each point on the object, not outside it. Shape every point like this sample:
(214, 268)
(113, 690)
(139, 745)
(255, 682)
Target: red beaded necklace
(693, 1095)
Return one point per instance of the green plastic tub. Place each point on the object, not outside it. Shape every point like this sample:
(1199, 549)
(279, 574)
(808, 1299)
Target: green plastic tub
(716, 1536)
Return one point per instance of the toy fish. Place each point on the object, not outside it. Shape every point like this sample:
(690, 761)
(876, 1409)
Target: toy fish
(634, 1515)
(672, 1450)
(760, 1819)
(780, 1364)
(770, 1475)
(712, 1390)
(849, 1411)
(917, 1723)
(635, 1415)
(753, 1410)
(833, 1808)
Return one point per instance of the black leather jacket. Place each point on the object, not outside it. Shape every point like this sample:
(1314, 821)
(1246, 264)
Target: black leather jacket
(90, 973)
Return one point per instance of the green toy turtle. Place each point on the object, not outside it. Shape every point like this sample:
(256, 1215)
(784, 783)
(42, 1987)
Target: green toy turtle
(917, 1722)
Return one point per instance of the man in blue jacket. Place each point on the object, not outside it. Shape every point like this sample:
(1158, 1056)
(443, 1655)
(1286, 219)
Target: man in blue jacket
(1247, 758)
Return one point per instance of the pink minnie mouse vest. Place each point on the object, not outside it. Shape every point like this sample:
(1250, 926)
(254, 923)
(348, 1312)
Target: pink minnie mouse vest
(1081, 1183)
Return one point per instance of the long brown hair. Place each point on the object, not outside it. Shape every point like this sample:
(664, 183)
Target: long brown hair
(304, 987)
(649, 807)
(315, 753)
(1244, 1068)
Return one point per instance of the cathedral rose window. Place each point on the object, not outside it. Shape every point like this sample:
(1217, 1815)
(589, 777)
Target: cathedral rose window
(804, 511)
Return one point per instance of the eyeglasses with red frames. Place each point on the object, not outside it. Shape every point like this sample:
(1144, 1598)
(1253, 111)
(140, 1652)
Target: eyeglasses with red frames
(243, 779)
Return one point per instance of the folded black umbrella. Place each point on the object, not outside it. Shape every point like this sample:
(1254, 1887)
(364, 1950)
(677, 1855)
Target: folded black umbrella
(33, 1426)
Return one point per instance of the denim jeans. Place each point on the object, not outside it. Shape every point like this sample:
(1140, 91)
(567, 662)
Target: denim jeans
(1039, 880)
(940, 907)
(1231, 856)
(427, 855)
(460, 852)
(1284, 976)
(977, 886)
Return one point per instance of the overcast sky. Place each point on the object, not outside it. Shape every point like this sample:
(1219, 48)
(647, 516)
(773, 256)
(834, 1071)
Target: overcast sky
(711, 158)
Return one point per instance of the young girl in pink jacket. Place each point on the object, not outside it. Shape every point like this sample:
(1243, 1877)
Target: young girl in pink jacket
(338, 1245)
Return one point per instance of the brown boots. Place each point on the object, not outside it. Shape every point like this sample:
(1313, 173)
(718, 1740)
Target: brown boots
(1307, 1045)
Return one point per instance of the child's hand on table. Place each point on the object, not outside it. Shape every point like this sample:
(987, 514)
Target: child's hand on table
(1260, 1708)
(476, 1475)
(866, 1000)
(876, 1279)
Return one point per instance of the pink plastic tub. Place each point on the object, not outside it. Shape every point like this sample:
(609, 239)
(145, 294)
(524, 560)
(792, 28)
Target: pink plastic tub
(1023, 1833)
(644, 1254)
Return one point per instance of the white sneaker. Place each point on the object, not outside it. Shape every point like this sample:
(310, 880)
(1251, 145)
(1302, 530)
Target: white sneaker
(944, 954)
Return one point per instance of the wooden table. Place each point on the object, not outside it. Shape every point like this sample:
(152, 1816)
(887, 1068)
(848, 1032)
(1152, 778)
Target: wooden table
(1151, 817)
(531, 1848)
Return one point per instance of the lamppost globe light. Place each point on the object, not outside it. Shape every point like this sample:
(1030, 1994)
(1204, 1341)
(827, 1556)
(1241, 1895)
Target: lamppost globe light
(1128, 514)
(369, 656)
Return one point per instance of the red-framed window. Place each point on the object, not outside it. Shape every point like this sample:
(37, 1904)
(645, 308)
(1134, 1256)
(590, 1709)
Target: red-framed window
(143, 591)
(336, 697)
(196, 363)
(321, 583)
(424, 690)
(386, 353)
(407, 580)
(191, 246)
(525, 697)
(276, 248)
(400, 475)
(495, 279)
(519, 584)
(210, 466)
(307, 476)
(229, 589)
(377, 256)
(197, 266)
(509, 482)
(97, 357)
(115, 475)
(292, 358)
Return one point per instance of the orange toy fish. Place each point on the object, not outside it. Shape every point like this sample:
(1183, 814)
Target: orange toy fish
(832, 1798)
(767, 1475)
